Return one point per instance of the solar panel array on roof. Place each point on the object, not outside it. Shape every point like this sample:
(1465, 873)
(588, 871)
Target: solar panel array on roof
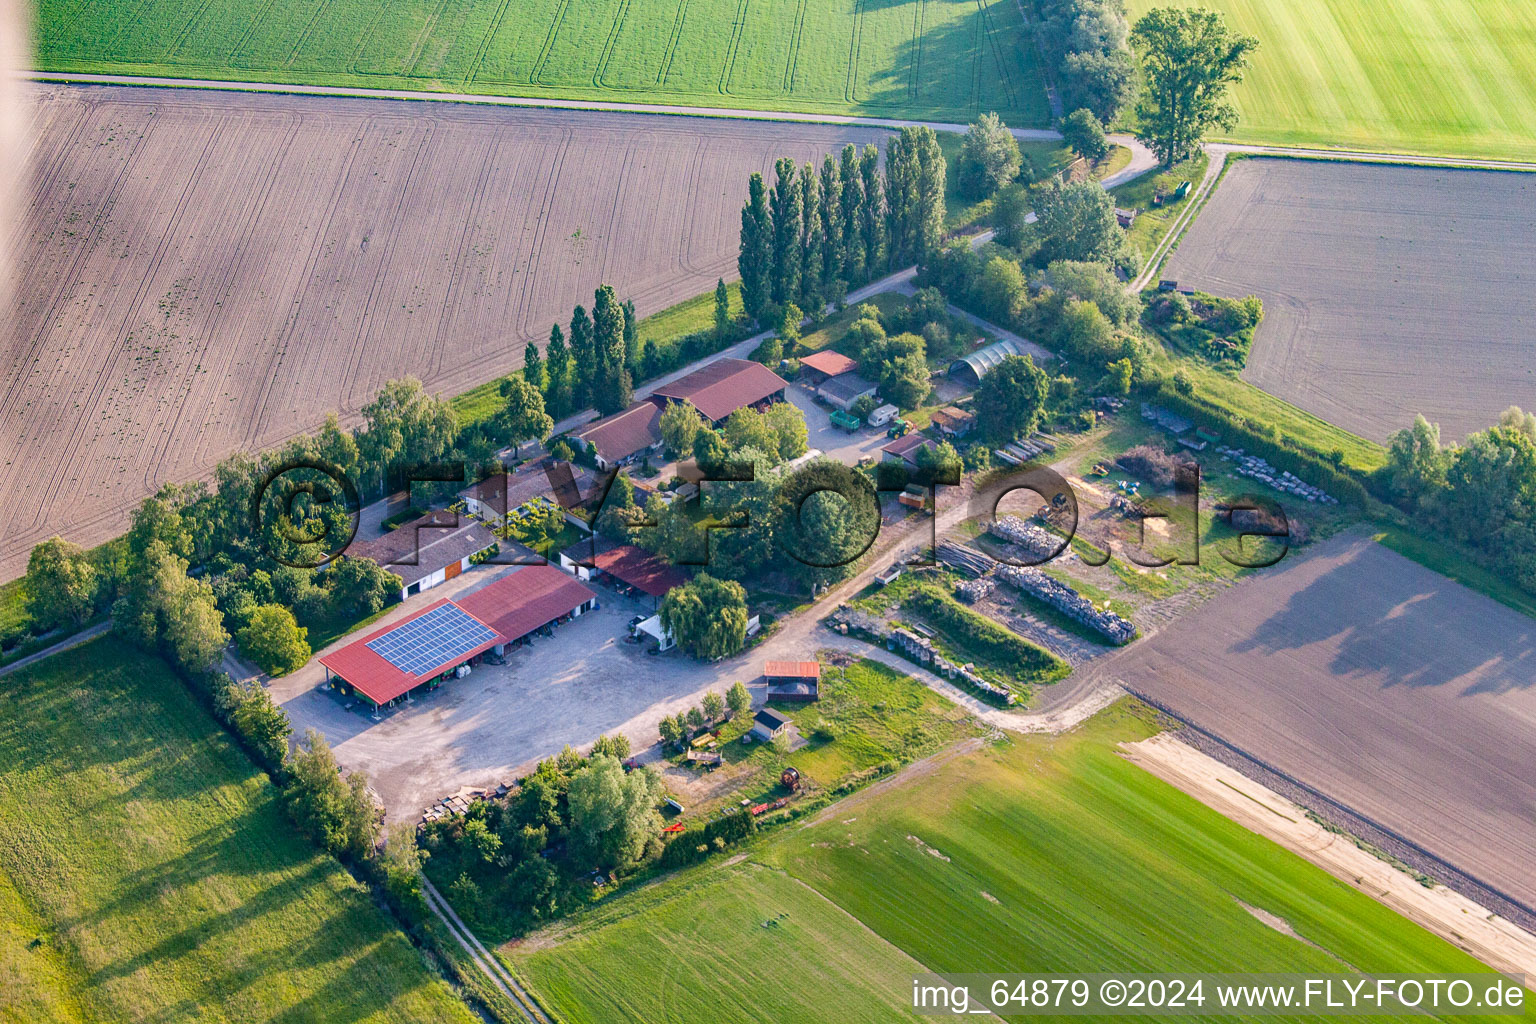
(430, 640)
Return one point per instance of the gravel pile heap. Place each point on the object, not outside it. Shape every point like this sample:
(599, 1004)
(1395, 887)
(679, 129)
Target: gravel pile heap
(1068, 601)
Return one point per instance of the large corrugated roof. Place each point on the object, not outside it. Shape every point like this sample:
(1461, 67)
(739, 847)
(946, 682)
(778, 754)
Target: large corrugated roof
(380, 679)
(828, 362)
(983, 360)
(723, 386)
(522, 601)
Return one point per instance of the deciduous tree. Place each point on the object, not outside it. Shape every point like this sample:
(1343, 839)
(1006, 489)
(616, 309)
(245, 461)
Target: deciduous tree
(1189, 60)
(274, 641)
(707, 616)
(989, 157)
(61, 584)
(1011, 398)
(1084, 135)
(613, 814)
(522, 415)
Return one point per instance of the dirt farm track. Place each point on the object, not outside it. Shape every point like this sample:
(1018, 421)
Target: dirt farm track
(1388, 290)
(1379, 683)
(201, 272)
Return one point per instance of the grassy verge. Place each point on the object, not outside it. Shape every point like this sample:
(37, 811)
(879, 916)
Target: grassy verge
(1457, 567)
(161, 872)
(870, 717)
(961, 868)
(1154, 222)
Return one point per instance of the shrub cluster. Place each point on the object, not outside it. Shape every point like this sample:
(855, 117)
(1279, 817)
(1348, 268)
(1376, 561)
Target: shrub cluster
(986, 638)
(695, 844)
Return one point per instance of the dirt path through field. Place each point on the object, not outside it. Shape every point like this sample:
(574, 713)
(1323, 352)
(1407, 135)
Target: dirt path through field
(1491, 939)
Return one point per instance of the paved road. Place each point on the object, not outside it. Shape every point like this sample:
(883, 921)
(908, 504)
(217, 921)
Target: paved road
(63, 645)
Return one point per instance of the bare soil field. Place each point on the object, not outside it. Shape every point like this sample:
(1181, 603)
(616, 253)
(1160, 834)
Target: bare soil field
(201, 272)
(1377, 682)
(1388, 291)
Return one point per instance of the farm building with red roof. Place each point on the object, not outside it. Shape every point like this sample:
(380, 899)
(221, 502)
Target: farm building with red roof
(793, 680)
(819, 366)
(628, 567)
(528, 599)
(423, 649)
(721, 387)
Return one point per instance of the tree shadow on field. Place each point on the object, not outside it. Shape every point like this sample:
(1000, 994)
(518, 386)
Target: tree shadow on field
(1400, 624)
(936, 73)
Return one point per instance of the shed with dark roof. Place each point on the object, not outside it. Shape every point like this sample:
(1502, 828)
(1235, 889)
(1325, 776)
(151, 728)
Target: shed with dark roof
(845, 389)
(426, 551)
(624, 436)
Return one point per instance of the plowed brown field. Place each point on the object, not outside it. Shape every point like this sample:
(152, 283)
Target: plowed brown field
(201, 272)
(1382, 684)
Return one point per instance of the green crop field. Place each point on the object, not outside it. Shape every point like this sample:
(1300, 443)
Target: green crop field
(936, 59)
(1038, 854)
(148, 873)
(1413, 76)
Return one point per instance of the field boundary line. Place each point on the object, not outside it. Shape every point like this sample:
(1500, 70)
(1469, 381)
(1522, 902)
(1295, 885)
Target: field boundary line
(364, 92)
(1481, 890)
(483, 958)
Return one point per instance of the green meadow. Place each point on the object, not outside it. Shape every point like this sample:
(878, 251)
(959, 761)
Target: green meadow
(1411, 76)
(1037, 854)
(148, 873)
(936, 59)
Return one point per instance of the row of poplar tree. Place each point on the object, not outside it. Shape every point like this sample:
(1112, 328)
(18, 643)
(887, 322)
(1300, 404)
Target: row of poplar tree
(817, 234)
(596, 366)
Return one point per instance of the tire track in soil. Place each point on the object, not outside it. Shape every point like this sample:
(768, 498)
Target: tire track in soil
(69, 282)
(109, 372)
(994, 37)
(413, 55)
(309, 28)
(738, 29)
(685, 248)
(245, 37)
(792, 63)
(427, 143)
(485, 40)
(855, 46)
(531, 264)
(673, 42)
(537, 74)
(223, 287)
(609, 45)
(285, 336)
(617, 210)
(68, 288)
(456, 275)
(919, 27)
